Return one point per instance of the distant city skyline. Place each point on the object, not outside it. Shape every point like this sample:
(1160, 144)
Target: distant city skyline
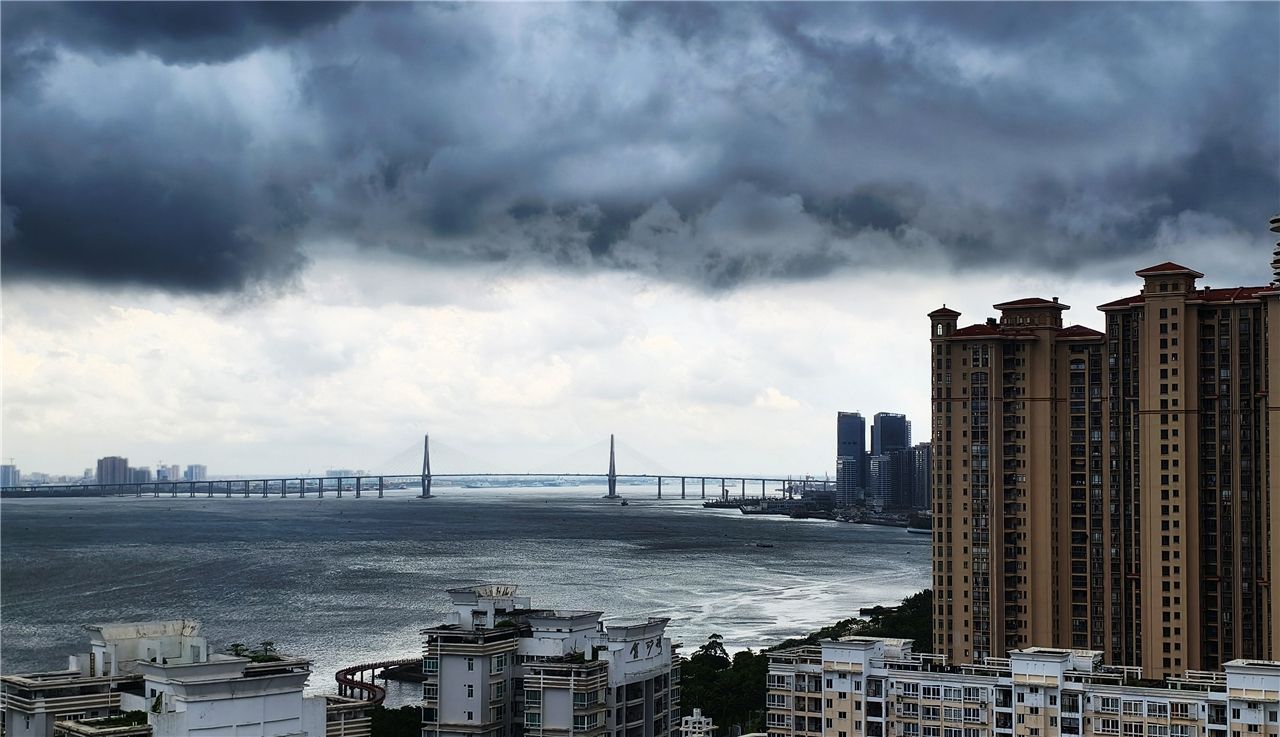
(280, 237)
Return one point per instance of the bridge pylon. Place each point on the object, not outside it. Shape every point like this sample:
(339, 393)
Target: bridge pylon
(613, 472)
(426, 469)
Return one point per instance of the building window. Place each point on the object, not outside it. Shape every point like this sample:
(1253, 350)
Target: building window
(471, 691)
(431, 665)
(471, 663)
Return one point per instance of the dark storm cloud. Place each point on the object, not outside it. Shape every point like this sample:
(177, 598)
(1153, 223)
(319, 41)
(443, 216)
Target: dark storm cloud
(707, 143)
(178, 33)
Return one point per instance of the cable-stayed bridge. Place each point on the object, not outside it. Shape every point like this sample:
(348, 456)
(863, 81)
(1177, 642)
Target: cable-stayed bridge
(424, 481)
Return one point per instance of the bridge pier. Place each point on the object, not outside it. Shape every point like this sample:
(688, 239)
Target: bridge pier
(357, 487)
(380, 487)
(682, 487)
(704, 487)
(320, 488)
(659, 487)
(762, 492)
(744, 489)
(724, 490)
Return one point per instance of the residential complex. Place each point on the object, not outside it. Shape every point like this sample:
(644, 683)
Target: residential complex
(160, 679)
(862, 686)
(10, 475)
(113, 470)
(502, 668)
(1110, 491)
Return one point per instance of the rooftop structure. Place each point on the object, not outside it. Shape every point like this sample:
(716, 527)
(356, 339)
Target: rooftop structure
(165, 672)
(576, 675)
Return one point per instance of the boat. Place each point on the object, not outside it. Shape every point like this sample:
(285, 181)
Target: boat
(919, 531)
(764, 545)
(625, 502)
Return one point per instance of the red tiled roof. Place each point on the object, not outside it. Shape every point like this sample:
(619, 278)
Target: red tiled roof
(983, 330)
(1125, 302)
(1030, 302)
(1168, 267)
(978, 330)
(1234, 294)
(1080, 331)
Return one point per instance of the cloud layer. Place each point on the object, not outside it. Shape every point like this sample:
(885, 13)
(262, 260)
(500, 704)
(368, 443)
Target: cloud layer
(220, 147)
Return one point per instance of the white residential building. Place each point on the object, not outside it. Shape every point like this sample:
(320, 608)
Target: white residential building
(159, 679)
(873, 687)
(501, 668)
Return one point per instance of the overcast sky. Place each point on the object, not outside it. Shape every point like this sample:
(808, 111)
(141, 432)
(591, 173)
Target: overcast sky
(289, 237)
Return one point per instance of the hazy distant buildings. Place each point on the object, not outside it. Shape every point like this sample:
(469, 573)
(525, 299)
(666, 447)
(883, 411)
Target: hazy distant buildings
(113, 470)
(140, 475)
(921, 478)
(168, 473)
(10, 475)
(889, 432)
(1112, 491)
(195, 472)
(851, 458)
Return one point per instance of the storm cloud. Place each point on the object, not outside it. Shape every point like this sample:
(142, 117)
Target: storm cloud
(214, 147)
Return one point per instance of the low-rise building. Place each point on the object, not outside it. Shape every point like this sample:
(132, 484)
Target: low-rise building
(160, 679)
(878, 687)
(501, 668)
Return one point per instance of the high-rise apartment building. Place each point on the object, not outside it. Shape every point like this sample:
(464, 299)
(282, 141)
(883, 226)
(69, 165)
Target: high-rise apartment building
(113, 470)
(195, 472)
(851, 458)
(10, 475)
(1110, 491)
(500, 668)
(140, 475)
(889, 432)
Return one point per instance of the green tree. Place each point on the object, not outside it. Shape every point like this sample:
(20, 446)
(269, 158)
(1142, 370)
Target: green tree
(403, 722)
(731, 690)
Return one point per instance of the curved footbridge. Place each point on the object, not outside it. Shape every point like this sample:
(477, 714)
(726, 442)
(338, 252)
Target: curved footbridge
(360, 681)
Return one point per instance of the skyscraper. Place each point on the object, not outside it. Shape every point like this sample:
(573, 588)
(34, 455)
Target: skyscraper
(9, 475)
(113, 470)
(1110, 491)
(889, 432)
(195, 472)
(851, 457)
